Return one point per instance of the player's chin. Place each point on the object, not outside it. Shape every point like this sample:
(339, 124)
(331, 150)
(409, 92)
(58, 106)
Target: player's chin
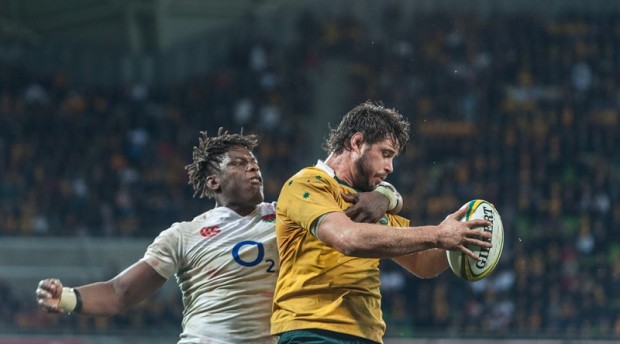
(373, 184)
(257, 194)
(254, 188)
(367, 188)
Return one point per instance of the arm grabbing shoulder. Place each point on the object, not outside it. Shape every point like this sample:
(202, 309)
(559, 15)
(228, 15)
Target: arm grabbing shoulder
(371, 206)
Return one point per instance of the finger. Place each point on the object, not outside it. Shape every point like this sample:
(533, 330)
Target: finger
(50, 308)
(475, 223)
(46, 289)
(44, 283)
(479, 234)
(57, 286)
(52, 281)
(481, 243)
(44, 303)
(458, 215)
(43, 295)
(350, 212)
(351, 198)
(49, 284)
(360, 218)
(355, 215)
(49, 287)
(469, 253)
(48, 303)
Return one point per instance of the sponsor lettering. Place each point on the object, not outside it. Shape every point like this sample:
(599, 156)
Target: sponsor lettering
(236, 253)
(484, 251)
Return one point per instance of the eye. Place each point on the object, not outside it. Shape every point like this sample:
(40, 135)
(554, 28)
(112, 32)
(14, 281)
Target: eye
(388, 154)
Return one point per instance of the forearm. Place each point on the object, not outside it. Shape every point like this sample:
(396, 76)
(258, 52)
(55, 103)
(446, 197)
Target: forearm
(425, 264)
(375, 241)
(390, 242)
(103, 299)
(130, 287)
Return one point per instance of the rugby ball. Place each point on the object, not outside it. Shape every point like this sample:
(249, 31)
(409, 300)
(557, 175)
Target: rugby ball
(461, 264)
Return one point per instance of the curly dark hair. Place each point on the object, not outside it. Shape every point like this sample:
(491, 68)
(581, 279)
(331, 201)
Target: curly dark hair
(375, 122)
(209, 154)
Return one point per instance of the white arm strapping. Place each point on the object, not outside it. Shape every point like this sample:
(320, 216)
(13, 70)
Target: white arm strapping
(68, 300)
(389, 191)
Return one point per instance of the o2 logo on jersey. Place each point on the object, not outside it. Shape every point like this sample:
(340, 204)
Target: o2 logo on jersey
(259, 256)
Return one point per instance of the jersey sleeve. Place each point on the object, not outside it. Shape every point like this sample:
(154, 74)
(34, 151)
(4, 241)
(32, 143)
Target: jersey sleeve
(163, 254)
(397, 221)
(305, 197)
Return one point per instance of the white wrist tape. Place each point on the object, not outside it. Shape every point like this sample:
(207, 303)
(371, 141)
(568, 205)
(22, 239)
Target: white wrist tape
(395, 199)
(68, 300)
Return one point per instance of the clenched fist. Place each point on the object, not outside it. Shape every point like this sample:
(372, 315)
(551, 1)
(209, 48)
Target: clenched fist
(48, 295)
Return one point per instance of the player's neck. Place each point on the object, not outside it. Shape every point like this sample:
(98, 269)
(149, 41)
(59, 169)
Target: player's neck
(341, 166)
(242, 210)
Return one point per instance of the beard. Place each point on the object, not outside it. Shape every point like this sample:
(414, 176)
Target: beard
(363, 174)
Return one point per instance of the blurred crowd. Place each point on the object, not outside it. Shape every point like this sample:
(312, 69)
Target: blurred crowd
(519, 110)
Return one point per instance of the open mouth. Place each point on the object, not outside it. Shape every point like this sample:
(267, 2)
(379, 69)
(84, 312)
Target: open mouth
(256, 180)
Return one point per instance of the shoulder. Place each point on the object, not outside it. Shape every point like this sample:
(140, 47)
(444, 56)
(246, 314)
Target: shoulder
(310, 187)
(310, 171)
(186, 228)
(313, 176)
(266, 208)
(176, 230)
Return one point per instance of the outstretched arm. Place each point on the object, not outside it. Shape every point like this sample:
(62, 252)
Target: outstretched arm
(425, 264)
(377, 241)
(128, 288)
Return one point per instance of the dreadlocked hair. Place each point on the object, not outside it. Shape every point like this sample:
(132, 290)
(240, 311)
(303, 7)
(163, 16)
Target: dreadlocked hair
(375, 122)
(210, 153)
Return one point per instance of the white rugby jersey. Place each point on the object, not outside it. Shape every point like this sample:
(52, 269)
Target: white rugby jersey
(226, 266)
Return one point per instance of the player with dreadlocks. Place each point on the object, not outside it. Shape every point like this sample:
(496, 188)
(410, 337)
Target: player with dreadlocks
(225, 260)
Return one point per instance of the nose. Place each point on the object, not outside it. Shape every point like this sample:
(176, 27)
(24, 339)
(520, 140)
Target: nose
(389, 166)
(252, 167)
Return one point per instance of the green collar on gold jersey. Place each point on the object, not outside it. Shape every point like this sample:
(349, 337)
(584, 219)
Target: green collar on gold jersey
(323, 166)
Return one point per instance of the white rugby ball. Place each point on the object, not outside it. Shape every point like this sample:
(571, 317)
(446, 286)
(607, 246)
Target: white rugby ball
(461, 264)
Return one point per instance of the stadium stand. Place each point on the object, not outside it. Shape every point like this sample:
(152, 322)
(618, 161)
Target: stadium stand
(519, 109)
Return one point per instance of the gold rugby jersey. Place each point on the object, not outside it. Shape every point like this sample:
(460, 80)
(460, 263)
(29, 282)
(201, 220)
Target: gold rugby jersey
(319, 287)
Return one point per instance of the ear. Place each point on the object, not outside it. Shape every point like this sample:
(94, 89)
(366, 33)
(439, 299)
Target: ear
(357, 140)
(213, 182)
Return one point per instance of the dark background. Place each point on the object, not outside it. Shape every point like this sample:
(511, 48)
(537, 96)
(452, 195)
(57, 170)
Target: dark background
(513, 102)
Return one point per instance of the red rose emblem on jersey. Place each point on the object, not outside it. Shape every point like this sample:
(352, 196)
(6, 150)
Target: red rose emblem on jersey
(269, 217)
(209, 231)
